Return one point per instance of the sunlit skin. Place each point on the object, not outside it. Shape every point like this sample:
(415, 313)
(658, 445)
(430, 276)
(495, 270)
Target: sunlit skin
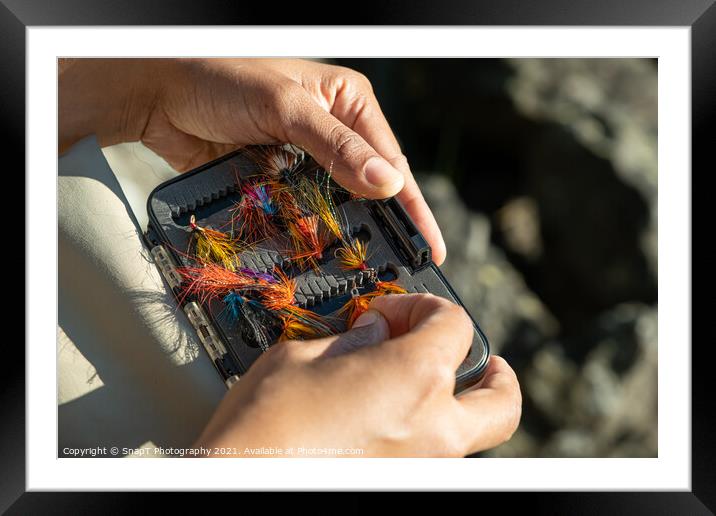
(180, 109)
(386, 386)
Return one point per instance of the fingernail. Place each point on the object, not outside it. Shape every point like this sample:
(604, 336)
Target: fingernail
(380, 173)
(365, 319)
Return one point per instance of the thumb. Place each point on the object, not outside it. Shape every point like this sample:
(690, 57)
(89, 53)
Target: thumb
(369, 329)
(355, 165)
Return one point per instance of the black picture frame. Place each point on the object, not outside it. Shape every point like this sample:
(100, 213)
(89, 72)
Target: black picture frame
(700, 15)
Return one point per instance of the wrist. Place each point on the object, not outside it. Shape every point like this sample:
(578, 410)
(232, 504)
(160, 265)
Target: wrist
(111, 98)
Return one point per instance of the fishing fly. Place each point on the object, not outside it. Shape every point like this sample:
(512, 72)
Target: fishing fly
(209, 280)
(359, 303)
(255, 321)
(353, 254)
(214, 246)
(254, 215)
(290, 201)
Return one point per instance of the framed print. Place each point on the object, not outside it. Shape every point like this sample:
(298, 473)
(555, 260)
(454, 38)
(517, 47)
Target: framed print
(224, 195)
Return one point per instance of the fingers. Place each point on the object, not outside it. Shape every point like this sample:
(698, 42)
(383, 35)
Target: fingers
(362, 112)
(372, 125)
(354, 163)
(426, 331)
(369, 329)
(356, 118)
(489, 415)
(414, 203)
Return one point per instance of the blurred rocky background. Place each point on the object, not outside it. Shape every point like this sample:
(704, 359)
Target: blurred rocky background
(542, 174)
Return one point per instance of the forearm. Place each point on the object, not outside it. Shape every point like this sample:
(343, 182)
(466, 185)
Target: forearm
(111, 98)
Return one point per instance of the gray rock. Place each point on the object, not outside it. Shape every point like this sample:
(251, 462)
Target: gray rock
(561, 267)
(592, 395)
(491, 289)
(609, 105)
(607, 404)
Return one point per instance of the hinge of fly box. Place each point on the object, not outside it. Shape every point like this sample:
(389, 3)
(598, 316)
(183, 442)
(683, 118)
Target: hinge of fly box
(212, 343)
(205, 330)
(166, 266)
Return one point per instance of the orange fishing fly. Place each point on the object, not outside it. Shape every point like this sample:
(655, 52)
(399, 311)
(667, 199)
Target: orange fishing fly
(301, 323)
(254, 214)
(352, 255)
(212, 280)
(279, 294)
(358, 304)
(308, 240)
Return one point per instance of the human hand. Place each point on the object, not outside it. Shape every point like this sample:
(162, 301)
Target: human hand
(190, 111)
(385, 387)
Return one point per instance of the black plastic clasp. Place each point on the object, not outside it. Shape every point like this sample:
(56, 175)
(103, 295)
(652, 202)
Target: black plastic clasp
(227, 366)
(151, 237)
(405, 237)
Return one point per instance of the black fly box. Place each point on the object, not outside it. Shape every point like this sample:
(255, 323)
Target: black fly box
(206, 196)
